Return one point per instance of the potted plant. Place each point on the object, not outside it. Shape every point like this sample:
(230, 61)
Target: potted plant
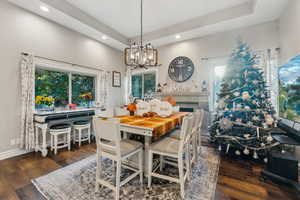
(87, 97)
(45, 103)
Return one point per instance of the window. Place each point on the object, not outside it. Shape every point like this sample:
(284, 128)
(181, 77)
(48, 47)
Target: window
(82, 85)
(143, 84)
(219, 74)
(57, 85)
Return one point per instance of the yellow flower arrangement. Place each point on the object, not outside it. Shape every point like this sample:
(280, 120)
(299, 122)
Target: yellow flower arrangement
(87, 96)
(41, 100)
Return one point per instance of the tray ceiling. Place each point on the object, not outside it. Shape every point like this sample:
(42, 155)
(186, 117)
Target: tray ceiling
(119, 19)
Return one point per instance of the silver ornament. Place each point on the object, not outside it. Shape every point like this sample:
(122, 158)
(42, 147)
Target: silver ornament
(269, 138)
(237, 152)
(225, 124)
(255, 156)
(266, 160)
(246, 151)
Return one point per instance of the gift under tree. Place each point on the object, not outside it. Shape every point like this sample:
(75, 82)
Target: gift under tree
(244, 115)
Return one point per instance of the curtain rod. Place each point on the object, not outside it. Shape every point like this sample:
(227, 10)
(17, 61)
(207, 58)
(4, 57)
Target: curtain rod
(62, 61)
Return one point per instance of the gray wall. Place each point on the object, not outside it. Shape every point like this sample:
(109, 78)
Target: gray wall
(24, 31)
(290, 31)
(260, 37)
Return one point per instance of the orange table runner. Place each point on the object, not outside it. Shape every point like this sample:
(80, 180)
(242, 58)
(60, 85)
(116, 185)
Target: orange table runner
(160, 125)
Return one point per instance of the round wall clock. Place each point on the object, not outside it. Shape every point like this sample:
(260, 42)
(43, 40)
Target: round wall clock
(181, 69)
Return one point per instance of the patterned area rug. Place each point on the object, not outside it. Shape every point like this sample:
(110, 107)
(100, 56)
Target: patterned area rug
(77, 182)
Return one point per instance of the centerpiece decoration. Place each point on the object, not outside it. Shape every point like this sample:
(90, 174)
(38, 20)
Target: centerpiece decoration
(87, 97)
(169, 99)
(131, 108)
(45, 103)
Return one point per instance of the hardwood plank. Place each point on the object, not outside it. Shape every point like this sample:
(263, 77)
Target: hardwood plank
(238, 179)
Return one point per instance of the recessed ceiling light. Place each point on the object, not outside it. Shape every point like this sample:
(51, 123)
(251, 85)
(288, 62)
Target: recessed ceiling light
(177, 36)
(104, 37)
(44, 8)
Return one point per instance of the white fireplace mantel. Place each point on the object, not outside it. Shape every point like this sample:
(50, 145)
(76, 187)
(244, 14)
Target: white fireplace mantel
(188, 99)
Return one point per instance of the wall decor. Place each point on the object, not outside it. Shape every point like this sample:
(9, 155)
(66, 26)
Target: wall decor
(116, 79)
(181, 69)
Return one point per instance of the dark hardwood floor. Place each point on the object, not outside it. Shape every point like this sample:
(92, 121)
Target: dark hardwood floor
(238, 180)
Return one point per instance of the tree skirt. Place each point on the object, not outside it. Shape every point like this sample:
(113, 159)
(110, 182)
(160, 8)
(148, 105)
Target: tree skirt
(77, 182)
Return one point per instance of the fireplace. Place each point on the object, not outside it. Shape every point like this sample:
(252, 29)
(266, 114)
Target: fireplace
(189, 101)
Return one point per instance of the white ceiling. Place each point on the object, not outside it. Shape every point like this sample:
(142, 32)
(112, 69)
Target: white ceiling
(124, 15)
(163, 19)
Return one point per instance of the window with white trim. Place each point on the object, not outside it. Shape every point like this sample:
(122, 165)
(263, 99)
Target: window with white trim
(63, 88)
(143, 84)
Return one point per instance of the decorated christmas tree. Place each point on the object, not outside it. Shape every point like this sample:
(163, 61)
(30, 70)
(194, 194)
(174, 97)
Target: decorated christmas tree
(244, 115)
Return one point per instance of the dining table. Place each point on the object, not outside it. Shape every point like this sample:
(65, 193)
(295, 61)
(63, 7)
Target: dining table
(152, 128)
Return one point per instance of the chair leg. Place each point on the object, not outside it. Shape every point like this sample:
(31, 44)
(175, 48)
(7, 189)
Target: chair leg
(98, 171)
(74, 136)
(188, 161)
(51, 142)
(55, 144)
(195, 149)
(181, 176)
(161, 164)
(150, 157)
(118, 180)
(89, 135)
(79, 137)
(141, 166)
(69, 140)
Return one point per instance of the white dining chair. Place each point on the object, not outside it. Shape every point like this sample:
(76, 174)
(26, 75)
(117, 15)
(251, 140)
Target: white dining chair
(110, 145)
(121, 111)
(175, 149)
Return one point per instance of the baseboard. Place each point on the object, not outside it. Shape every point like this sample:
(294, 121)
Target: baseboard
(12, 153)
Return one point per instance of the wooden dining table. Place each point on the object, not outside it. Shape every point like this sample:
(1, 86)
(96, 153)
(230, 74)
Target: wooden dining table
(152, 128)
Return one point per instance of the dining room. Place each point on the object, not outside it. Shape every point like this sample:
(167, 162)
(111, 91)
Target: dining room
(147, 100)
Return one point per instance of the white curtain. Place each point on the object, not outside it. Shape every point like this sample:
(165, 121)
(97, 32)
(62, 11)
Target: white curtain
(27, 86)
(128, 85)
(103, 90)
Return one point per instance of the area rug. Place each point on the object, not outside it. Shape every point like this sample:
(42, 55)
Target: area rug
(77, 182)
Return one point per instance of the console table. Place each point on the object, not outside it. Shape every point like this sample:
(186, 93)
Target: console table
(44, 120)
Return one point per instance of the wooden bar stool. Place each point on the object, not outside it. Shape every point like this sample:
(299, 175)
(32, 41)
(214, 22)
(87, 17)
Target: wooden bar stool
(60, 137)
(78, 128)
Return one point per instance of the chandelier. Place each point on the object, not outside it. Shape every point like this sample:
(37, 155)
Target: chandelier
(141, 55)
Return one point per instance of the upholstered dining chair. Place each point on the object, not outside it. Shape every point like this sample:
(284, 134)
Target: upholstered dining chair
(110, 145)
(176, 149)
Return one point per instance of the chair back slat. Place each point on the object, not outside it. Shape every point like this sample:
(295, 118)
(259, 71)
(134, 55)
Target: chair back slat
(108, 134)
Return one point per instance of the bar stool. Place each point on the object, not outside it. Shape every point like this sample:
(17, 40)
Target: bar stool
(62, 132)
(78, 128)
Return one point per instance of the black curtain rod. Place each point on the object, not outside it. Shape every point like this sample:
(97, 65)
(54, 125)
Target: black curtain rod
(65, 62)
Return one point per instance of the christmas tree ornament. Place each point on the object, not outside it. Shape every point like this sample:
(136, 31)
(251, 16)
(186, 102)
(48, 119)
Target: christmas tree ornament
(222, 104)
(225, 124)
(270, 139)
(262, 144)
(269, 120)
(255, 82)
(239, 120)
(255, 118)
(245, 95)
(266, 160)
(236, 94)
(246, 151)
(247, 108)
(227, 148)
(257, 132)
(220, 148)
(255, 156)
(237, 152)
